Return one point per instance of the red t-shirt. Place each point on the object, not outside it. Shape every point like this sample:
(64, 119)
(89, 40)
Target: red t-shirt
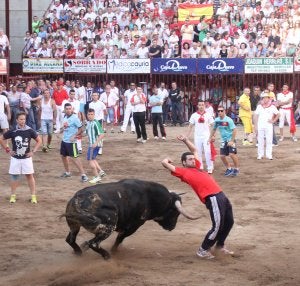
(201, 182)
(59, 96)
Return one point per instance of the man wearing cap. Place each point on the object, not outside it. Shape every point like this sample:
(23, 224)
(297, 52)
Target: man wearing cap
(265, 115)
(59, 95)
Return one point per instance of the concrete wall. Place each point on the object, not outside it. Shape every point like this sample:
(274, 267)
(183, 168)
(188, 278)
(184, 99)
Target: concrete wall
(19, 23)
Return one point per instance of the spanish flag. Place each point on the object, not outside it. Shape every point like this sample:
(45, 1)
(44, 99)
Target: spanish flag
(193, 12)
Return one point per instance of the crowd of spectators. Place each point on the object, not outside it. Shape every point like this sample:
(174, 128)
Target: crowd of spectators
(147, 29)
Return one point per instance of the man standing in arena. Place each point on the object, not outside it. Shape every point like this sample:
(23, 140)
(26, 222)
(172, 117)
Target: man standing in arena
(228, 135)
(285, 103)
(59, 95)
(68, 149)
(202, 121)
(128, 109)
(245, 115)
(21, 155)
(176, 104)
(210, 193)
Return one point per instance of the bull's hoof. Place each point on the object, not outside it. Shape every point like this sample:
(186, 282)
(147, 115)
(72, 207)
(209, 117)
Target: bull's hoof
(78, 252)
(85, 246)
(106, 256)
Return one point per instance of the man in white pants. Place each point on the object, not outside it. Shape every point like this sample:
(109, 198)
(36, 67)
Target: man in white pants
(285, 102)
(4, 106)
(202, 121)
(265, 115)
(128, 109)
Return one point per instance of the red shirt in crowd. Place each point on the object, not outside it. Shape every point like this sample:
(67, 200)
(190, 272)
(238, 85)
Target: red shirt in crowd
(201, 182)
(59, 95)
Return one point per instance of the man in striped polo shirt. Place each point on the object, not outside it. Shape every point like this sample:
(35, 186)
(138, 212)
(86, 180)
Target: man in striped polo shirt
(95, 135)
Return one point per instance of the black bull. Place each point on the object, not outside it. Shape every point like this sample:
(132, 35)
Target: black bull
(123, 207)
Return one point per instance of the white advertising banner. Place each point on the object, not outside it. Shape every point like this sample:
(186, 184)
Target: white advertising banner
(269, 65)
(85, 65)
(43, 65)
(128, 66)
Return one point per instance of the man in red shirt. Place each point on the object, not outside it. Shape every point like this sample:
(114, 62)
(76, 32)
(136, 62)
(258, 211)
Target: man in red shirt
(210, 193)
(59, 95)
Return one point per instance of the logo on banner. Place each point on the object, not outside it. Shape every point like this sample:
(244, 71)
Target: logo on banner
(219, 65)
(132, 65)
(171, 65)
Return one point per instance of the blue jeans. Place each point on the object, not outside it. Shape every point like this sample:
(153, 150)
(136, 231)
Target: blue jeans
(177, 112)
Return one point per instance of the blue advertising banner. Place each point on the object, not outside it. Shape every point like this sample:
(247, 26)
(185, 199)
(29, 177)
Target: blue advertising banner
(221, 65)
(173, 66)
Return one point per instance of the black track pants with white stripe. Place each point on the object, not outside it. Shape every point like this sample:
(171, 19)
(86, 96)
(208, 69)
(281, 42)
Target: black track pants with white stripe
(221, 215)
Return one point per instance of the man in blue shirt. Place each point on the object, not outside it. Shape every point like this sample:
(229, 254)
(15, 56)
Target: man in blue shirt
(156, 102)
(68, 148)
(228, 135)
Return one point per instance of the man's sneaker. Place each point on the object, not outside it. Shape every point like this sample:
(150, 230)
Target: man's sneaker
(132, 132)
(281, 138)
(274, 145)
(205, 254)
(102, 174)
(247, 143)
(100, 151)
(139, 140)
(120, 131)
(228, 172)
(294, 139)
(33, 199)
(66, 175)
(259, 157)
(144, 141)
(84, 178)
(163, 138)
(80, 151)
(13, 199)
(49, 147)
(270, 158)
(224, 250)
(234, 173)
(156, 137)
(95, 180)
(44, 149)
(210, 171)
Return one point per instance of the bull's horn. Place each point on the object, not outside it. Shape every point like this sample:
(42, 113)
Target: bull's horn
(183, 212)
(180, 194)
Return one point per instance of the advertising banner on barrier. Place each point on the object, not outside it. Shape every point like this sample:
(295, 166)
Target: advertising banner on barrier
(85, 65)
(3, 66)
(221, 66)
(269, 65)
(134, 66)
(43, 65)
(171, 66)
(297, 64)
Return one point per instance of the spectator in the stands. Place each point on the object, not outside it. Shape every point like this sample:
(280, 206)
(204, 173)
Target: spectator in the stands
(155, 50)
(166, 51)
(142, 51)
(194, 50)
(44, 51)
(187, 31)
(185, 51)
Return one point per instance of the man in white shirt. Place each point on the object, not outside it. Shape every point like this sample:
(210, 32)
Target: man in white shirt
(285, 102)
(143, 51)
(202, 121)
(194, 50)
(162, 91)
(110, 99)
(128, 109)
(265, 115)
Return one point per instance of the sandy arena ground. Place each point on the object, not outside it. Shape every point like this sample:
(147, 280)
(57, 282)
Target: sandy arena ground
(265, 237)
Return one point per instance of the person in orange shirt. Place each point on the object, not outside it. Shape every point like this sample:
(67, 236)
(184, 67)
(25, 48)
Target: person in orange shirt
(210, 193)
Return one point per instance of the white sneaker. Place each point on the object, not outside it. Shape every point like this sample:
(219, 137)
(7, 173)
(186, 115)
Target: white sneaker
(281, 139)
(139, 140)
(270, 158)
(163, 138)
(259, 157)
(102, 174)
(205, 254)
(95, 180)
(294, 139)
(156, 137)
(144, 141)
(210, 171)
